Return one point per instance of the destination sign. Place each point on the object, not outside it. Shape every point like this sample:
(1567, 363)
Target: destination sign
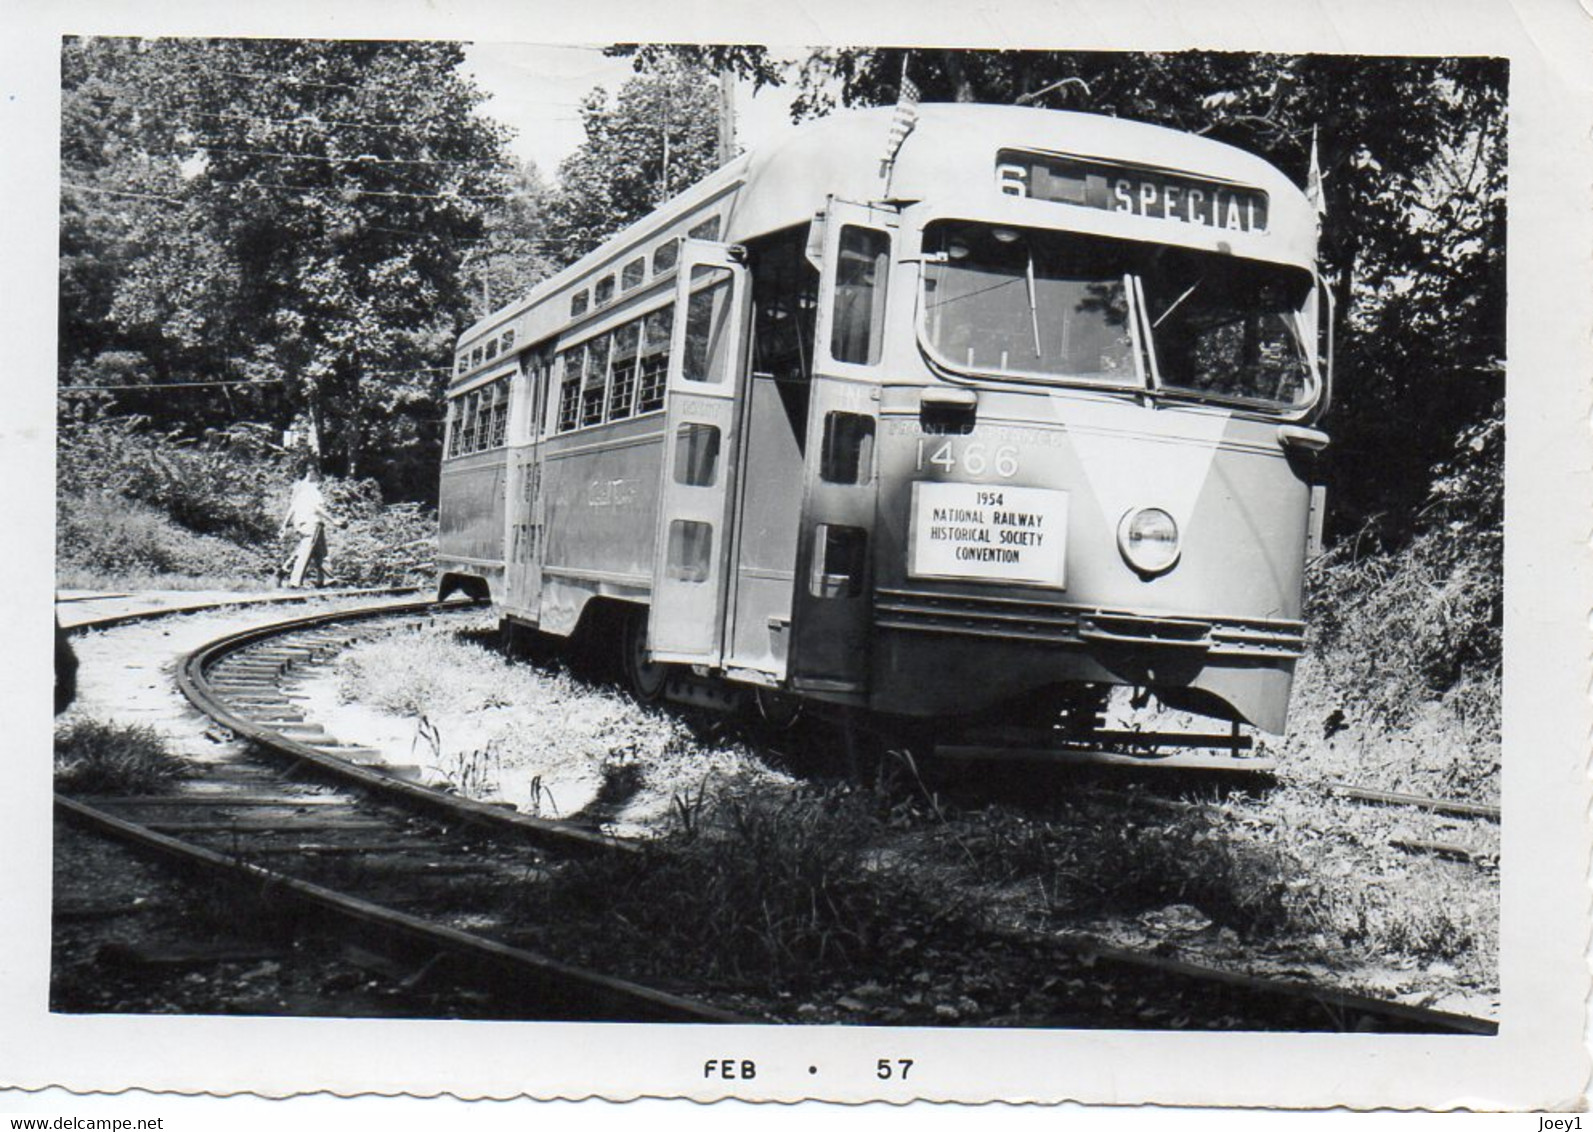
(1142, 192)
(970, 530)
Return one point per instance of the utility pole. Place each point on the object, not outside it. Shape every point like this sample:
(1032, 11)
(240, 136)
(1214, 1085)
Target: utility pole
(727, 116)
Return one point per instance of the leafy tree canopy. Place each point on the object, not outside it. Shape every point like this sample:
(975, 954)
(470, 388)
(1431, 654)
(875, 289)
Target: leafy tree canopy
(656, 138)
(289, 214)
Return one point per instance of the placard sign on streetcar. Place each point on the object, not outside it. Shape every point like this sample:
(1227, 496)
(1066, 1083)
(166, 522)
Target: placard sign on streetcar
(1120, 188)
(966, 530)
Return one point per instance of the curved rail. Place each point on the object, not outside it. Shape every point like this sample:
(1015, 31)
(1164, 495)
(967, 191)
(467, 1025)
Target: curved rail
(193, 681)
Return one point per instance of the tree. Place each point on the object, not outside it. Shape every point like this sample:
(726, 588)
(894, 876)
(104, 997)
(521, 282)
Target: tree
(657, 138)
(1413, 151)
(291, 214)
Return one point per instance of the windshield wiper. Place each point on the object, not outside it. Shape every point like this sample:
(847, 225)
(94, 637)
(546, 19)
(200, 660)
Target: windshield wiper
(1177, 302)
(1028, 278)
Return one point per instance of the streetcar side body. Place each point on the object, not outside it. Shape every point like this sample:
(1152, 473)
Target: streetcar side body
(1035, 417)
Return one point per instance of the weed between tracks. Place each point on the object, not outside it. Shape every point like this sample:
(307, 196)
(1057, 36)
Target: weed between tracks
(92, 757)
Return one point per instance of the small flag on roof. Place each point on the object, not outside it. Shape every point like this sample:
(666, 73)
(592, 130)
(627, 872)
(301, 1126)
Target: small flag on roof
(902, 122)
(1313, 183)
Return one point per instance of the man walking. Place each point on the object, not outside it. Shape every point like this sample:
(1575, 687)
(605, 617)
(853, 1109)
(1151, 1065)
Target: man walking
(307, 516)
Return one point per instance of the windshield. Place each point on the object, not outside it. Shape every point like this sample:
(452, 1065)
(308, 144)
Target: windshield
(1030, 304)
(1056, 307)
(1228, 327)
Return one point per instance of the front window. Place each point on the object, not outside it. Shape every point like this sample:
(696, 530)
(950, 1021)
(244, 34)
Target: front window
(1026, 303)
(1228, 328)
(1060, 307)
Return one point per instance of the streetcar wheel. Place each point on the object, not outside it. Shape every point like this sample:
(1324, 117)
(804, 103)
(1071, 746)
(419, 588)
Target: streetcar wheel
(643, 677)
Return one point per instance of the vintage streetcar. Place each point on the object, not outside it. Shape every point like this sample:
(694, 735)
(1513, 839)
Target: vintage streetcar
(970, 436)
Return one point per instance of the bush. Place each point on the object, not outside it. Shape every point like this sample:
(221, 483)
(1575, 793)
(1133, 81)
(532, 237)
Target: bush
(102, 758)
(132, 502)
(106, 535)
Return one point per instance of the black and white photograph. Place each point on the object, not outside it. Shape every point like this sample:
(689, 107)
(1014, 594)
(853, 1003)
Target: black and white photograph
(837, 567)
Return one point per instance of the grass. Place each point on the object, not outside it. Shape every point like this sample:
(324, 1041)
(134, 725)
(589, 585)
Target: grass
(1088, 860)
(102, 758)
(533, 735)
(778, 890)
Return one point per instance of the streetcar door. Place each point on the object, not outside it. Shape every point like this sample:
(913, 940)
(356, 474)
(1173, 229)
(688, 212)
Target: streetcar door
(524, 510)
(832, 606)
(707, 363)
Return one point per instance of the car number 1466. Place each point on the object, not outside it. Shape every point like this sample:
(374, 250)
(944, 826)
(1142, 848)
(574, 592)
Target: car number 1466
(975, 459)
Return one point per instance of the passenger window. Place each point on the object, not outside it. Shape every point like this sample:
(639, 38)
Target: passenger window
(570, 390)
(595, 382)
(707, 318)
(689, 545)
(578, 304)
(604, 291)
(655, 360)
(468, 443)
(508, 339)
(622, 380)
(707, 230)
(492, 349)
(453, 427)
(697, 455)
(848, 455)
(475, 356)
(634, 273)
(500, 415)
(858, 326)
(664, 256)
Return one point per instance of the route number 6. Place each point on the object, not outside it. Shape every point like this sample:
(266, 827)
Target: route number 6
(976, 459)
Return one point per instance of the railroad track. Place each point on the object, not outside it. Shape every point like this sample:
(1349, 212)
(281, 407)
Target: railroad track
(349, 838)
(343, 837)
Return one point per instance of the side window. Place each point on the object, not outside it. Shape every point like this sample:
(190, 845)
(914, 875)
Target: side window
(453, 427)
(570, 389)
(863, 265)
(707, 317)
(604, 291)
(634, 273)
(655, 360)
(622, 379)
(664, 256)
(468, 442)
(500, 415)
(595, 382)
(578, 304)
(492, 349)
(476, 355)
(707, 230)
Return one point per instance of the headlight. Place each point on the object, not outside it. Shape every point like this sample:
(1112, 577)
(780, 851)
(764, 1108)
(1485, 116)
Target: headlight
(1148, 538)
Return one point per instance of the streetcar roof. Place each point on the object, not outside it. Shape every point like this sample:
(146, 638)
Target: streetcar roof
(788, 180)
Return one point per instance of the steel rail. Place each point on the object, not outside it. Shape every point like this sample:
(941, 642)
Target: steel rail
(117, 620)
(1393, 798)
(1329, 998)
(569, 991)
(192, 680)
